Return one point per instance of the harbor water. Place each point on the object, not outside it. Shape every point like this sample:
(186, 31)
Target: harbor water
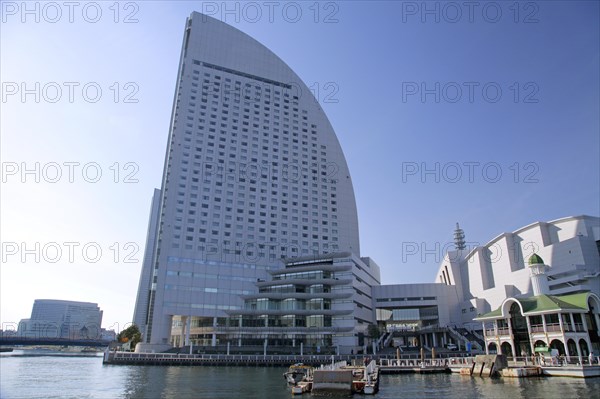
(25, 376)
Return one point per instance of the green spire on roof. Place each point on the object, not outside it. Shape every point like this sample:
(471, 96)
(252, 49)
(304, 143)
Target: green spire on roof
(535, 259)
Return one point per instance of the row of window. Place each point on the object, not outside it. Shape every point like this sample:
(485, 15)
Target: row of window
(251, 256)
(415, 298)
(226, 130)
(282, 321)
(207, 306)
(221, 265)
(209, 276)
(210, 290)
(288, 304)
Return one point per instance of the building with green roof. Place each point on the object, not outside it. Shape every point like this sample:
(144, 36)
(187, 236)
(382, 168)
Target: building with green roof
(524, 325)
(565, 251)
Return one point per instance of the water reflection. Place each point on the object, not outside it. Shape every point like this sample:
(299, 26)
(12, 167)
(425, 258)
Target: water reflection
(464, 387)
(55, 377)
(205, 382)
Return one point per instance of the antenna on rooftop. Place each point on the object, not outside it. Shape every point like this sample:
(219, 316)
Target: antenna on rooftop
(459, 238)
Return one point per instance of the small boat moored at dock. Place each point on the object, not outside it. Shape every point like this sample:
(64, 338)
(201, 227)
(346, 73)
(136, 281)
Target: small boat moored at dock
(302, 387)
(296, 373)
(372, 379)
(365, 378)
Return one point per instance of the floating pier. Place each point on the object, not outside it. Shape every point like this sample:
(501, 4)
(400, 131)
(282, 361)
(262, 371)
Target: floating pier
(332, 381)
(339, 378)
(497, 365)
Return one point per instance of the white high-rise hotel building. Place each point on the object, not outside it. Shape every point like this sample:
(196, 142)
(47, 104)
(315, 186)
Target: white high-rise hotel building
(253, 173)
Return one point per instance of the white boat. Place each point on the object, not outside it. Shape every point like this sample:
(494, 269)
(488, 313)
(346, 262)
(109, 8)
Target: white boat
(297, 373)
(302, 387)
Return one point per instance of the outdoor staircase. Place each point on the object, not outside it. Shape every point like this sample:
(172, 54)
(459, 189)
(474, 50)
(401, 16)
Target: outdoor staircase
(388, 339)
(475, 338)
(463, 336)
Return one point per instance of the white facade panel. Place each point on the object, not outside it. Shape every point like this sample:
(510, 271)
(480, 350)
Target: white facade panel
(491, 273)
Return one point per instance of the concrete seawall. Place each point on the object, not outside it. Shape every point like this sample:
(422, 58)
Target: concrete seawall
(467, 366)
(173, 359)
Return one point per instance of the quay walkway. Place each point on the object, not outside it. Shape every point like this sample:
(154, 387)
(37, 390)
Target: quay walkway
(463, 365)
(178, 359)
(386, 366)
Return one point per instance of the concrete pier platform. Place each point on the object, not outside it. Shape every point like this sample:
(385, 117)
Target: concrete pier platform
(521, 372)
(583, 371)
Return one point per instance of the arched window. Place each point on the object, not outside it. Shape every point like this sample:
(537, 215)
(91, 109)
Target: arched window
(584, 347)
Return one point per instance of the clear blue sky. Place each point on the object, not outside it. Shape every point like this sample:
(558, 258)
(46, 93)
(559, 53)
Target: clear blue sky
(378, 67)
